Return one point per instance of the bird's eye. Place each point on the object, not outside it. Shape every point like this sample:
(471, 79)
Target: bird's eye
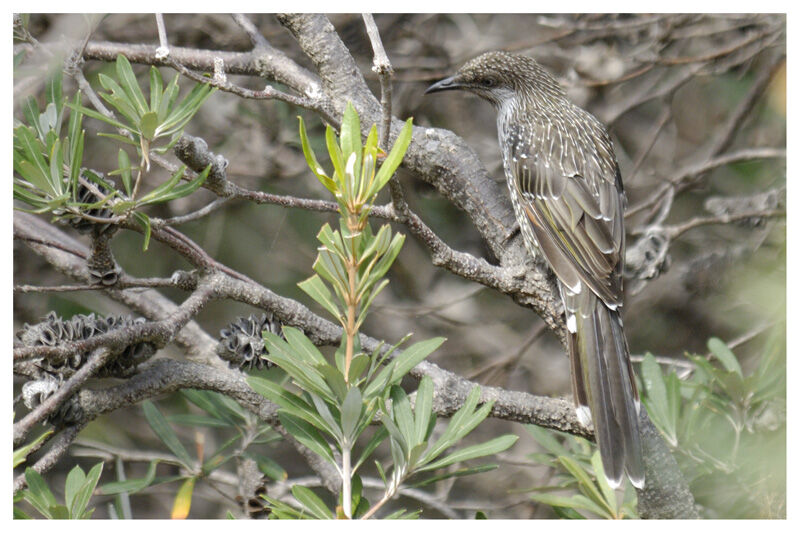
(488, 82)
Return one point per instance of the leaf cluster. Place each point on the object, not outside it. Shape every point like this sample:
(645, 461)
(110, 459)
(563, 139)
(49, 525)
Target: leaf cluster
(78, 489)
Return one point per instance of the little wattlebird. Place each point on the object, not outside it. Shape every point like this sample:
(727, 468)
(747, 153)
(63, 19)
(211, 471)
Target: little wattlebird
(568, 199)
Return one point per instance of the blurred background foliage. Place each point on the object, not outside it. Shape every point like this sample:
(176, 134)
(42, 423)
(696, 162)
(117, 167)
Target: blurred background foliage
(725, 281)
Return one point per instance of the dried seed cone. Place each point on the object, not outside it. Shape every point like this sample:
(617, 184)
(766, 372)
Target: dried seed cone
(54, 331)
(241, 343)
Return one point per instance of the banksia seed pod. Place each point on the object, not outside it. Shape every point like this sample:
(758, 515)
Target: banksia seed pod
(86, 196)
(101, 265)
(241, 343)
(34, 393)
(54, 331)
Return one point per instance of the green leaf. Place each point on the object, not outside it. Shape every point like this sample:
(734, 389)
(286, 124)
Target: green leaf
(311, 160)
(725, 355)
(168, 98)
(302, 346)
(156, 88)
(128, 81)
(461, 423)
(585, 483)
(184, 189)
(288, 402)
(164, 432)
(334, 378)
(39, 170)
(455, 473)
(358, 364)
(144, 221)
(38, 493)
(119, 138)
(215, 404)
(131, 486)
(351, 414)
(81, 499)
(148, 125)
(350, 136)
(413, 355)
(197, 420)
(21, 454)
(383, 264)
(328, 423)
(577, 501)
(30, 110)
(56, 167)
(656, 399)
(271, 468)
(157, 194)
(119, 99)
(75, 480)
(307, 376)
(394, 158)
(402, 415)
(124, 163)
(181, 115)
(54, 94)
(76, 158)
(312, 502)
(307, 435)
(98, 116)
(378, 436)
(490, 447)
(335, 153)
(547, 440)
(423, 409)
(317, 290)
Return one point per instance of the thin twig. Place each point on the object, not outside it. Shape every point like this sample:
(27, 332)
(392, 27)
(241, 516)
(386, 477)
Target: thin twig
(679, 229)
(383, 68)
(191, 217)
(258, 40)
(163, 45)
(268, 93)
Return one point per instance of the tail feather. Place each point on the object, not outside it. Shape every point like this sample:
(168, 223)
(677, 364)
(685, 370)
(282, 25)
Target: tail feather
(602, 380)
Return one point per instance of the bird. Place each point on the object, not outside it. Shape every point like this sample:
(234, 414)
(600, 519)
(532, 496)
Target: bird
(567, 194)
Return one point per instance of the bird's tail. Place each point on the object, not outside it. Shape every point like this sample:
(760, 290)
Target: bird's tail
(603, 384)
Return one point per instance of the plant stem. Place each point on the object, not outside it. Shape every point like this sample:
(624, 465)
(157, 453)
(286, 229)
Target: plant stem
(352, 268)
(386, 497)
(352, 297)
(347, 496)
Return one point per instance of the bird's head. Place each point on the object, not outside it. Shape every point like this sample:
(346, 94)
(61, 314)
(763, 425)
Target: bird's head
(500, 76)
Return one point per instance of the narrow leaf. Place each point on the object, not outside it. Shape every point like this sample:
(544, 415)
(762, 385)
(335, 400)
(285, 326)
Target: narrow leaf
(725, 355)
(312, 502)
(164, 432)
(491, 447)
(183, 500)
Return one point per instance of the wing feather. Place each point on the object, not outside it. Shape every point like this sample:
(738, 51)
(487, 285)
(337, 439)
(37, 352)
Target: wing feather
(575, 211)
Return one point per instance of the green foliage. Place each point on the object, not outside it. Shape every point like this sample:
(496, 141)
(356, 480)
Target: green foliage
(48, 148)
(78, 491)
(580, 489)
(21, 454)
(48, 157)
(331, 404)
(726, 428)
(220, 413)
(146, 121)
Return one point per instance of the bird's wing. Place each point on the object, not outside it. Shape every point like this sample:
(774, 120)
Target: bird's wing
(575, 207)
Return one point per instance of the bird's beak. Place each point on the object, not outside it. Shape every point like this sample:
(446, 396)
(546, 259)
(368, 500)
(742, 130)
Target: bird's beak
(446, 84)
